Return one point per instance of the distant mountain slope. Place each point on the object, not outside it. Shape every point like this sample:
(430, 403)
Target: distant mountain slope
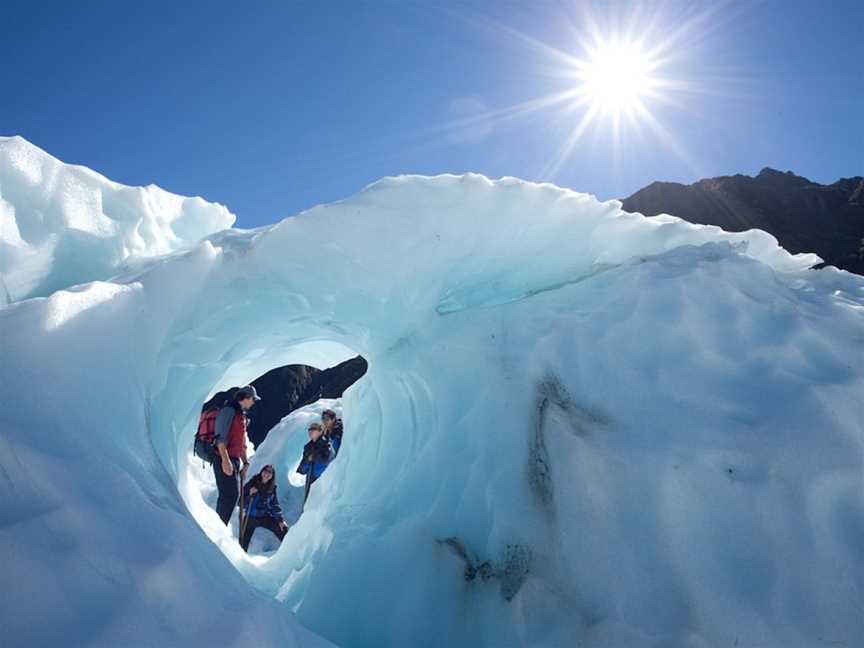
(804, 216)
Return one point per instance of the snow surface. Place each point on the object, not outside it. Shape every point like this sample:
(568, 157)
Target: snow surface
(579, 427)
(62, 225)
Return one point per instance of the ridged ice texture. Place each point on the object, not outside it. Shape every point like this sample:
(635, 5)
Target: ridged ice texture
(579, 427)
(62, 225)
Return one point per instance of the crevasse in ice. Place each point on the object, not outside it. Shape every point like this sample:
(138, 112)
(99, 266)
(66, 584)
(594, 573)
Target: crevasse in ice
(579, 427)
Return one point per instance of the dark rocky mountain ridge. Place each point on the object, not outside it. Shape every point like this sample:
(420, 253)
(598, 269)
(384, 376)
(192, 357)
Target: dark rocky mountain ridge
(804, 216)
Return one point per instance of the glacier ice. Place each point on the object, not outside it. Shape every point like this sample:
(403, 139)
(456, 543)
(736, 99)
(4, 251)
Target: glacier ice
(62, 225)
(579, 427)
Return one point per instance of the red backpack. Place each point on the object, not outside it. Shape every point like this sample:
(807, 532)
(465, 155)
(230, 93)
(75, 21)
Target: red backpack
(205, 437)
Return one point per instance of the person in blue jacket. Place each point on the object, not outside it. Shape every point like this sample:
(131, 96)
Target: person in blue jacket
(316, 455)
(263, 508)
(332, 429)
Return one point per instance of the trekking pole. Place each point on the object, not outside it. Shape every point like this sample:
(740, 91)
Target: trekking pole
(242, 526)
(308, 484)
(244, 521)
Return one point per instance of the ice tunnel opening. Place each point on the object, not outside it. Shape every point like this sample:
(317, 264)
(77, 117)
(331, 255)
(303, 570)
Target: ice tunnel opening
(179, 405)
(293, 397)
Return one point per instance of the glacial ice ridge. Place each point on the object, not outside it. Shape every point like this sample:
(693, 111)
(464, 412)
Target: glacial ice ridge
(579, 427)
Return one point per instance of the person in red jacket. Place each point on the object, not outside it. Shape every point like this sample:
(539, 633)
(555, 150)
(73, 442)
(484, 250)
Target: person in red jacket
(231, 448)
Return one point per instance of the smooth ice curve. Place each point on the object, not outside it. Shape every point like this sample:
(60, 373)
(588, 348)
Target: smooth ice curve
(578, 425)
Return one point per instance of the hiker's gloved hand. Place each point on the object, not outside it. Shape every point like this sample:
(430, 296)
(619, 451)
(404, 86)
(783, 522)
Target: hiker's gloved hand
(253, 490)
(227, 467)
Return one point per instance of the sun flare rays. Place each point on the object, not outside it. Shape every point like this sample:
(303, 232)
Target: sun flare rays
(614, 82)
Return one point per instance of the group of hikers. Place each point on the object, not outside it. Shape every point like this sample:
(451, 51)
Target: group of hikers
(221, 440)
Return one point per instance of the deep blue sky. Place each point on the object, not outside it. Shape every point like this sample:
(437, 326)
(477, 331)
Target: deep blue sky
(272, 107)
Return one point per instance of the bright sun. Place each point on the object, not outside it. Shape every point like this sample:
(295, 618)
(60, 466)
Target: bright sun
(615, 77)
(611, 81)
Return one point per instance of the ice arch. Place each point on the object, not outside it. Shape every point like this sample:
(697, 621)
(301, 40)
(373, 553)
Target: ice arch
(578, 425)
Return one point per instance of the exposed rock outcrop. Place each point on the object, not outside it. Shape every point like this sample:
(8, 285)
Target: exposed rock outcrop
(804, 216)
